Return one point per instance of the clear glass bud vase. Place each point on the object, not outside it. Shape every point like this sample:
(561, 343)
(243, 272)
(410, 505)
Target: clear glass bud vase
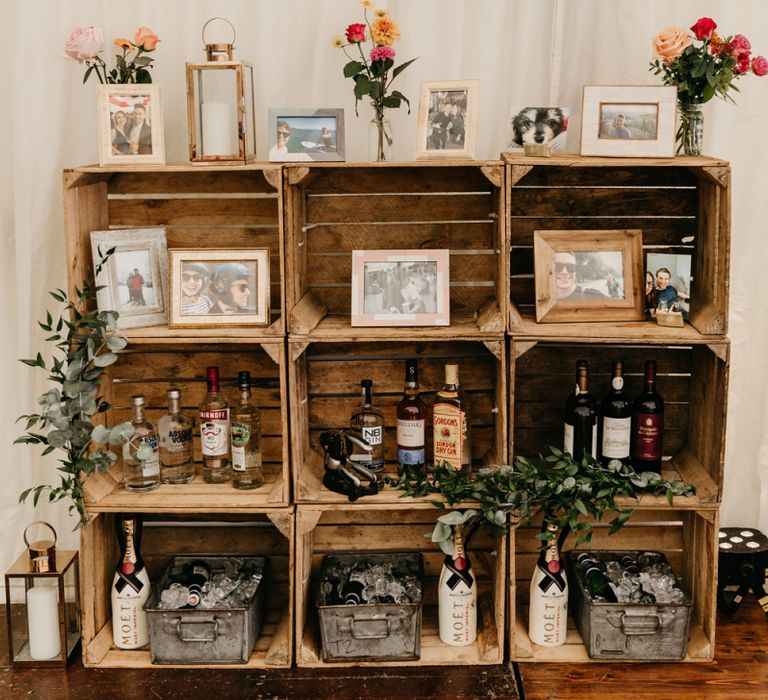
(690, 134)
(380, 138)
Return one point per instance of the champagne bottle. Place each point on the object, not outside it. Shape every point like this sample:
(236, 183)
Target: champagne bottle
(548, 611)
(648, 424)
(617, 420)
(457, 597)
(597, 582)
(130, 588)
(580, 436)
(197, 576)
(450, 424)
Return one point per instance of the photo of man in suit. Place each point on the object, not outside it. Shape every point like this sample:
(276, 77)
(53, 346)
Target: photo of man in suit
(141, 133)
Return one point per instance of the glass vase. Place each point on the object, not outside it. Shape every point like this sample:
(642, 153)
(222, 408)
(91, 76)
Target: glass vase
(690, 134)
(380, 138)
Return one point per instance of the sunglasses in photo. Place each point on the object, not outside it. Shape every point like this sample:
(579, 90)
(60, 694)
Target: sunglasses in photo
(564, 266)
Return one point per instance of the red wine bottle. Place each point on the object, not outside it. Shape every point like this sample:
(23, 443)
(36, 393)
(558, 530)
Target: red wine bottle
(648, 424)
(616, 420)
(580, 436)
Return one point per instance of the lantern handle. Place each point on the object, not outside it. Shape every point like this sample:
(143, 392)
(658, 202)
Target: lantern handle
(223, 19)
(40, 522)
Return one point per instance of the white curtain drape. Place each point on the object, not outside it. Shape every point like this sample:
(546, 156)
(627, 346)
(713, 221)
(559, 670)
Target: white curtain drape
(518, 50)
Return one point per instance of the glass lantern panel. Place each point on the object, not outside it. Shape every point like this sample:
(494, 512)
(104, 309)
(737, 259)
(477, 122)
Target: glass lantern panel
(72, 605)
(35, 626)
(250, 117)
(216, 113)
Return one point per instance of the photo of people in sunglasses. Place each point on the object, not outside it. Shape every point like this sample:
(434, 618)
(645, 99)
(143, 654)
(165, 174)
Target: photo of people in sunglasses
(218, 288)
(589, 276)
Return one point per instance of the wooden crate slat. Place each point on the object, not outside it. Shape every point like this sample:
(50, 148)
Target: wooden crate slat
(621, 177)
(366, 180)
(203, 182)
(657, 230)
(158, 212)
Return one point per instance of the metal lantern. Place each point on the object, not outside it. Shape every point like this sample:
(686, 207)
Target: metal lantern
(220, 105)
(42, 604)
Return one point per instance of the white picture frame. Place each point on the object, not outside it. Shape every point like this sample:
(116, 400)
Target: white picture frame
(447, 121)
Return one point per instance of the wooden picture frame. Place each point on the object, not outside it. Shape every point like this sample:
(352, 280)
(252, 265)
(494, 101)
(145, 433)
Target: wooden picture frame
(311, 135)
(134, 279)
(214, 287)
(123, 144)
(562, 259)
(400, 288)
(628, 121)
(447, 122)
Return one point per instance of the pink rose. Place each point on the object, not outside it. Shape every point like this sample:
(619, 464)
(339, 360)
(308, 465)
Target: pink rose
(84, 43)
(703, 28)
(355, 33)
(146, 39)
(759, 66)
(381, 53)
(669, 43)
(740, 45)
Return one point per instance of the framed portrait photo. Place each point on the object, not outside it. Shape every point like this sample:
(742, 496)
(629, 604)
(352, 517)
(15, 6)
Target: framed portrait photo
(306, 134)
(447, 126)
(668, 282)
(130, 120)
(628, 120)
(134, 277)
(219, 287)
(400, 288)
(546, 126)
(589, 275)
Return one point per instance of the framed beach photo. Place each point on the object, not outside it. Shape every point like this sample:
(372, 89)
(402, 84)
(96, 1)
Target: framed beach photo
(447, 122)
(306, 134)
(212, 287)
(589, 275)
(546, 126)
(134, 277)
(130, 121)
(628, 120)
(400, 288)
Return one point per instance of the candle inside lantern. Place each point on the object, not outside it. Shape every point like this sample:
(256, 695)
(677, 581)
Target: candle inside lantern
(43, 623)
(218, 129)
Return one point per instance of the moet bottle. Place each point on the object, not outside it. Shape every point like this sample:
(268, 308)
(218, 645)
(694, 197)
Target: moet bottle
(580, 433)
(457, 597)
(370, 422)
(245, 432)
(141, 461)
(548, 611)
(214, 431)
(450, 424)
(616, 412)
(176, 451)
(411, 420)
(130, 587)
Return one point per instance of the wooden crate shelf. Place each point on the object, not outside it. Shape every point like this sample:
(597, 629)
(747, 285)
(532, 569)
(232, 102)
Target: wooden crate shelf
(682, 205)
(150, 370)
(333, 209)
(362, 527)
(692, 379)
(200, 207)
(325, 390)
(687, 538)
(269, 534)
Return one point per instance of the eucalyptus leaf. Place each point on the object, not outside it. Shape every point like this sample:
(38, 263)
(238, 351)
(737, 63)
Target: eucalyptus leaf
(105, 360)
(441, 532)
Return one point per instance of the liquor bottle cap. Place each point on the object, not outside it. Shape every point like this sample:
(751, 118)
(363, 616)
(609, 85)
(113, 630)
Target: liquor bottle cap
(137, 400)
(411, 370)
(366, 383)
(212, 373)
(451, 374)
(244, 380)
(173, 393)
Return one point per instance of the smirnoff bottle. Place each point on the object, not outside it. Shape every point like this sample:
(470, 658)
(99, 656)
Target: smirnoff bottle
(130, 588)
(457, 597)
(548, 613)
(450, 424)
(214, 431)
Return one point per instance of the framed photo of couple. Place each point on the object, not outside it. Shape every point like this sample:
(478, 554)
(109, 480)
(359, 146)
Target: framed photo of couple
(130, 123)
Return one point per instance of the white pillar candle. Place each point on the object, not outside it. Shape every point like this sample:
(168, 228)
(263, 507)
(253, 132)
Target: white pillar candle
(218, 129)
(43, 622)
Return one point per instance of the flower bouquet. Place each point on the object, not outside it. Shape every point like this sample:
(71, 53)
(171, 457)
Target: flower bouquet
(702, 66)
(374, 72)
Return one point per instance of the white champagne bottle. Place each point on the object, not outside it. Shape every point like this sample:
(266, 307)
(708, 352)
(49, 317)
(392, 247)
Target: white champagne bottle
(130, 588)
(457, 597)
(548, 612)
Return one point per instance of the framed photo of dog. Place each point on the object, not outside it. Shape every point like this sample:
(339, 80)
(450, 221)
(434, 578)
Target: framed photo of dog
(542, 126)
(447, 122)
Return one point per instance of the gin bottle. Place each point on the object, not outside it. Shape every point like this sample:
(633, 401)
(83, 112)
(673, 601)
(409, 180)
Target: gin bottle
(370, 422)
(141, 462)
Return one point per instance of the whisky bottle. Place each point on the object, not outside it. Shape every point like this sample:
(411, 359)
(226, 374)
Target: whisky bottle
(450, 424)
(176, 451)
(548, 611)
(411, 419)
(141, 462)
(457, 597)
(130, 587)
(247, 467)
(214, 431)
(580, 434)
(370, 422)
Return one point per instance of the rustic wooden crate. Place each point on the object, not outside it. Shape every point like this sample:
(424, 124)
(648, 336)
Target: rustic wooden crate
(692, 380)
(333, 529)
(201, 207)
(325, 390)
(688, 539)
(333, 209)
(682, 205)
(269, 534)
(151, 369)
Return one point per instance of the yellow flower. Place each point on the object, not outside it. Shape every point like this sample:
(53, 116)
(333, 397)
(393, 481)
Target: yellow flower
(381, 13)
(385, 31)
(366, 3)
(123, 44)
(337, 41)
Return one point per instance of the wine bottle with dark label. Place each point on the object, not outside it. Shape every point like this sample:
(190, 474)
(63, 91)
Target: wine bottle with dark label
(648, 424)
(130, 587)
(616, 420)
(580, 435)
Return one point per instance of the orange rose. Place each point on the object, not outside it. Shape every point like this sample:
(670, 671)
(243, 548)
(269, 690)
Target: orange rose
(123, 44)
(669, 43)
(385, 31)
(146, 39)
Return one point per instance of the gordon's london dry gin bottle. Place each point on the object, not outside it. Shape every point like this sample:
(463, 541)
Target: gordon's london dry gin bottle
(130, 587)
(450, 424)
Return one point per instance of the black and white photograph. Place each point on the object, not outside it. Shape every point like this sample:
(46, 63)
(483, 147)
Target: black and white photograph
(547, 126)
(629, 121)
(668, 282)
(306, 135)
(589, 276)
(130, 124)
(447, 119)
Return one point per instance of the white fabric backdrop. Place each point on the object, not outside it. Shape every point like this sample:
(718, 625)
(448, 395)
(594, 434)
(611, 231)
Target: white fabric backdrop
(49, 120)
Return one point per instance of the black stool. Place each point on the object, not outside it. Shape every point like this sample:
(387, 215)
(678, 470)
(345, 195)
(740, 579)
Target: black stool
(742, 561)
